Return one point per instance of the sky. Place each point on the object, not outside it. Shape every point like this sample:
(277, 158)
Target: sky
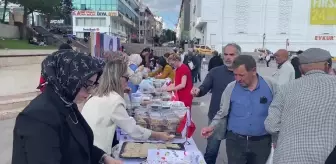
(167, 9)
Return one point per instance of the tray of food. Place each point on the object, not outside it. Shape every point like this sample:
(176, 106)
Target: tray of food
(139, 150)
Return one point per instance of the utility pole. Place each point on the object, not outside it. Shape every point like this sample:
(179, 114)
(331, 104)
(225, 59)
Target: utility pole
(263, 44)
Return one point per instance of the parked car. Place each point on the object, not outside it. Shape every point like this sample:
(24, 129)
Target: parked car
(203, 49)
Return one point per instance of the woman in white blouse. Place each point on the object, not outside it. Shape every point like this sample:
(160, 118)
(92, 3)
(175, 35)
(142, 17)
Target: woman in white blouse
(106, 109)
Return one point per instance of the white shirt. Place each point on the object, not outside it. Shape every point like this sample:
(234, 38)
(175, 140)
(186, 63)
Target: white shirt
(104, 114)
(285, 73)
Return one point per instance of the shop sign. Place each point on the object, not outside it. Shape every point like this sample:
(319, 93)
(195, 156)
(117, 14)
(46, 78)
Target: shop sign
(84, 13)
(107, 13)
(94, 13)
(90, 29)
(113, 13)
(325, 37)
(322, 12)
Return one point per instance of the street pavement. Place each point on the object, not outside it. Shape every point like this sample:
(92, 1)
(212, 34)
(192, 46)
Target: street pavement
(19, 79)
(199, 115)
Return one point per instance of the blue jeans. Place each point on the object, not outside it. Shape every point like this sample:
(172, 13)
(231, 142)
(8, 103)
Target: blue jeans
(212, 149)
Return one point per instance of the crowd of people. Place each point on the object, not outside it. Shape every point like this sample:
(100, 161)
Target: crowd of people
(52, 129)
(294, 113)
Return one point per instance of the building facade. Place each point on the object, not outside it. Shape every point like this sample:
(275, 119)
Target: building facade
(114, 17)
(158, 25)
(147, 25)
(184, 20)
(272, 24)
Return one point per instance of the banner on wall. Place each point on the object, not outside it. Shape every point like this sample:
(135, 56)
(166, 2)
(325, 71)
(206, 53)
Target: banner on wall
(323, 12)
(102, 43)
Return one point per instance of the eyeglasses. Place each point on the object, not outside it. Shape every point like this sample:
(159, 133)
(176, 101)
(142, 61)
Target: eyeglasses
(126, 77)
(89, 85)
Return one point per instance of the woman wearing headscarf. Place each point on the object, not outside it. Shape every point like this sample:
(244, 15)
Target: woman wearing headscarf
(134, 64)
(42, 82)
(106, 110)
(164, 71)
(51, 129)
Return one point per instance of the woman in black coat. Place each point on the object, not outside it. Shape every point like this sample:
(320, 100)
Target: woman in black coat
(51, 129)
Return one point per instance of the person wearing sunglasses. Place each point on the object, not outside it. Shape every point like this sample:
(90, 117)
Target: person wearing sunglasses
(106, 109)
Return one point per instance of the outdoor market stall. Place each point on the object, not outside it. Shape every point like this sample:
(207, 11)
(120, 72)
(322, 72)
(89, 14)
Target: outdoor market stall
(155, 110)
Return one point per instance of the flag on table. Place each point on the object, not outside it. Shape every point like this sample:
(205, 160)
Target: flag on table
(187, 126)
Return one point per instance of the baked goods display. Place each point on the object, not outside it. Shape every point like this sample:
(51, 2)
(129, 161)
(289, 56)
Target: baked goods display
(133, 150)
(141, 117)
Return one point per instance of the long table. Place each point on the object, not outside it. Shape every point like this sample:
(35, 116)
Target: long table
(190, 145)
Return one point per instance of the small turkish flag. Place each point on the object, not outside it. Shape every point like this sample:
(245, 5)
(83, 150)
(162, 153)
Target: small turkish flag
(187, 126)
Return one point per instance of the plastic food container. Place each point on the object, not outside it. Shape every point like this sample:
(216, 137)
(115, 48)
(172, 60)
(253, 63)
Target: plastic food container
(166, 98)
(180, 111)
(165, 107)
(155, 118)
(156, 106)
(177, 104)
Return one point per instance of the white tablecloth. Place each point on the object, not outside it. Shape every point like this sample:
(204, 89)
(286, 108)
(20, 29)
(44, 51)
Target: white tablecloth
(125, 138)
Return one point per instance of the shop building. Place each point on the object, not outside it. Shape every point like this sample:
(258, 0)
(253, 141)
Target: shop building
(272, 24)
(114, 17)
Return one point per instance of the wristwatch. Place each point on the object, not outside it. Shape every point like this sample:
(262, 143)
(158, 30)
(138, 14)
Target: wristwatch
(102, 159)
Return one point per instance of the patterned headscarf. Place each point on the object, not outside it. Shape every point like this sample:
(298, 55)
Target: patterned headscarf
(67, 71)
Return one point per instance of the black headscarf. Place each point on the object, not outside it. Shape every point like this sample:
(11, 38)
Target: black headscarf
(65, 46)
(67, 71)
(162, 61)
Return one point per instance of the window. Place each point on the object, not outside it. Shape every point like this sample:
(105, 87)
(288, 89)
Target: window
(91, 22)
(140, 23)
(207, 48)
(80, 21)
(194, 9)
(83, 6)
(202, 47)
(141, 32)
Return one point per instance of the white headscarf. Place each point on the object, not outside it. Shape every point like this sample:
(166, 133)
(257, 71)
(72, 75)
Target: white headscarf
(135, 59)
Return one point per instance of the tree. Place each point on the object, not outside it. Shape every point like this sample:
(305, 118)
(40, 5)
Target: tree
(4, 11)
(168, 35)
(47, 7)
(64, 11)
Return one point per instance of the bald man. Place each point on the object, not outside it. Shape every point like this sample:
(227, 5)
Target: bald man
(285, 71)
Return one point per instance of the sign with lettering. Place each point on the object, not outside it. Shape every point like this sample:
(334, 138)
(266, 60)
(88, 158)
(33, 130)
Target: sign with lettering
(90, 29)
(113, 13)
(94, 13)
(325, 37)
(323, 12)
(101, 13)
(84, 13)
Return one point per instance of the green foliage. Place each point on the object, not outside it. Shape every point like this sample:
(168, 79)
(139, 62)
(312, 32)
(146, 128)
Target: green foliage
(168, 35)
(43, 6)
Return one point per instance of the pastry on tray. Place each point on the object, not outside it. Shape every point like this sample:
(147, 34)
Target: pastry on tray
(144, 149)
(173, 146)
(140, 150)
